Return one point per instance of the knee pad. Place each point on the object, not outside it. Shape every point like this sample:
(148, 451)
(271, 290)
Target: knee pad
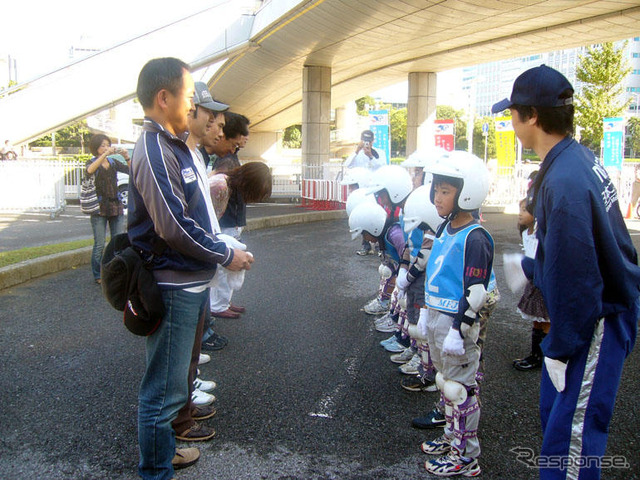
(414, 332)
(455, 392)
(440, 383)
(402, 301)
(384, 271)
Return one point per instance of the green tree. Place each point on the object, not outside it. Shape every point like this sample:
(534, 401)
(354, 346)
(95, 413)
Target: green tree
(362, 104)
(292, 137)
(602, 70)
(398, 131)
(633, 136)
(444, 112)
(479, 139)
(75, 135)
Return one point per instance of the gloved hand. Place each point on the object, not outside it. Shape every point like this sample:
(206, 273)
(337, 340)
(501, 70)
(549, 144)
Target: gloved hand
(557, 372)
(453, 343)
(422, 322)
(513, 273)
(401, 281)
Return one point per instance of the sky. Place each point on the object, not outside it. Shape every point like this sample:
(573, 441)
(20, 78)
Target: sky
(39, 33)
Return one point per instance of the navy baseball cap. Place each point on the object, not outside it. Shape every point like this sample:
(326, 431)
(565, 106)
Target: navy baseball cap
(367, 136)
(537, 87)
(203, 98)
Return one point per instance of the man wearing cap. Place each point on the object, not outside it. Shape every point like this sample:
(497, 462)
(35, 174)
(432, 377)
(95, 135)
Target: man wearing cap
(201, 119)
(169, 225)
(586, 267)
(365, 155)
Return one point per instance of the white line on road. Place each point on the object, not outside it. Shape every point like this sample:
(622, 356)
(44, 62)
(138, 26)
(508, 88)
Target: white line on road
(326, 406)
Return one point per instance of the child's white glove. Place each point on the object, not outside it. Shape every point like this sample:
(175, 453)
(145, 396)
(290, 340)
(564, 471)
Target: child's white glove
(453, 343)
(401, 281)
(557, 372)
(422, 322)
(513, 273)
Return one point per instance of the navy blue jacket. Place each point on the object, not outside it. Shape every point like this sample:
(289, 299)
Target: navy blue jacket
(585, 265)
(166, 202)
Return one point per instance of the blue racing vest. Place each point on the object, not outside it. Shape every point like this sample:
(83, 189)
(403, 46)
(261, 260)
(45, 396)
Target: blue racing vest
(445, 270)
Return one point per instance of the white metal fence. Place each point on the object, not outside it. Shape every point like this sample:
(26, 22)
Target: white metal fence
(32, 185)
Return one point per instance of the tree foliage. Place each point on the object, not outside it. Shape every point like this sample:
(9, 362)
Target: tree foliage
(75, 135)
(633, 136)
(292, 137)
(364, 104)
(602, 70)
(398, 131)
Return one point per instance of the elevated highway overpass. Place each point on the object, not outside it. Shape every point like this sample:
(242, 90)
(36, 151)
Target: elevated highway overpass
(292, 61)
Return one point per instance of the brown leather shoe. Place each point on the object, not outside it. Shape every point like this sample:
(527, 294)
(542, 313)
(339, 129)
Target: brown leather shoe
(185, 457)
(202, 412)
(236, 308)
(226, 314)
(196, 433)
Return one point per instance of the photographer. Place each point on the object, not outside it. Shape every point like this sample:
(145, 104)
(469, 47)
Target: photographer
(111, 209)
(365, 155)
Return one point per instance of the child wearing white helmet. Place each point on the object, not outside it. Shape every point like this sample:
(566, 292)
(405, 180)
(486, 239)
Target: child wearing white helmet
(371, 221)
(420, 221)
(390, 184)
(458, 275)
(357, 179)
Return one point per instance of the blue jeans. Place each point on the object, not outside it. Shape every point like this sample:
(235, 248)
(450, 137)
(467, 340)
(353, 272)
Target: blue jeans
(99, 226)
(164, 389)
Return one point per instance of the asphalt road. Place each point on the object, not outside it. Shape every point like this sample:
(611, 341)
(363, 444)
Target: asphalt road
(305, 391)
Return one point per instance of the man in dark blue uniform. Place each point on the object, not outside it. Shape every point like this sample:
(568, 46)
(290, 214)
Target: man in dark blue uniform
(586, 267)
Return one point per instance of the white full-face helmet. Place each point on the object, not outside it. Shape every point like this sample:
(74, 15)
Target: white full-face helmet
(357, 197)
(466, 171)
(421, 158)
(418, 210)
(356, 175)
(367, 217)
(394, 179)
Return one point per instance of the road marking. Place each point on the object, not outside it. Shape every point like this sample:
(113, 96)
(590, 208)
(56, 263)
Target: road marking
(326, 406)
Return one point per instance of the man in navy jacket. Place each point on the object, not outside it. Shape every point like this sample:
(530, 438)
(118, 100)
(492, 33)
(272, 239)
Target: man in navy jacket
(586, 267)
(169, 225)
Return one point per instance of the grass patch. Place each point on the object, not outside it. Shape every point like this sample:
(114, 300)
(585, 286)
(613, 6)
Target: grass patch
(16, 256)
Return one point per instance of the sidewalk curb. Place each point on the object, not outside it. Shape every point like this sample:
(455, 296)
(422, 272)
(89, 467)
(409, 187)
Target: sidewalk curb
(18, 273)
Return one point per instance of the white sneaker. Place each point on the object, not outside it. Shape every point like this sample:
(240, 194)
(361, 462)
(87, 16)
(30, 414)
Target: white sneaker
(376, 307)
(388, 326)
(198, 397)
(383, 319)
(204, 385)
(404, 356)
(204, 358)
(411, 367)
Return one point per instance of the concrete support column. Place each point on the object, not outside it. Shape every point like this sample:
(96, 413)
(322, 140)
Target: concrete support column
(316, 118)
(421, 110)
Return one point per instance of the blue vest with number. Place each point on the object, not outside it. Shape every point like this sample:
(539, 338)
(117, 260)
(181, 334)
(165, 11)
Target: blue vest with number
(445, 270)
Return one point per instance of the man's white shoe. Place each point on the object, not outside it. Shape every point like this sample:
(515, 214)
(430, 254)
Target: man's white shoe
(198, 397)
(204, 385)
(204, 358)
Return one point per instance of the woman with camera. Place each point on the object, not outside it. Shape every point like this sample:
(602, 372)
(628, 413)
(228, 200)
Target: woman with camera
(111, 210)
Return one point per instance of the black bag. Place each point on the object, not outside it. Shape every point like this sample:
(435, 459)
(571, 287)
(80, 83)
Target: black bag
(89, 202)
(129, 286)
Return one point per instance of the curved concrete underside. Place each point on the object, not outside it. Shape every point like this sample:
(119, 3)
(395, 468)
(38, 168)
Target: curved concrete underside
(373, 44)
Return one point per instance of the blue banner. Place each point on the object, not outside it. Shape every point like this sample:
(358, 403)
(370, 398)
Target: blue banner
(613, 142)
(379, 125)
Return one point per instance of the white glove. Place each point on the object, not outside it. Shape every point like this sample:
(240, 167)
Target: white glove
(453, 343)
(557, 371)
(401, 281)
(422, 322)
(513, 273)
